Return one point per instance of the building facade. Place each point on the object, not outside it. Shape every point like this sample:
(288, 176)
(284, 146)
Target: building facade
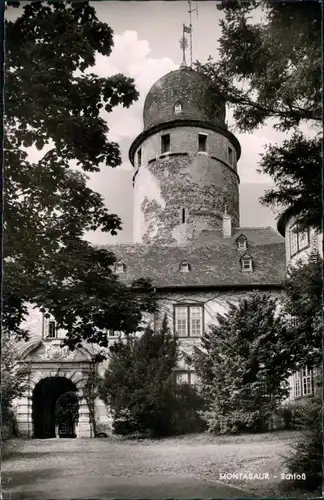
(187, 240)
(299, 246)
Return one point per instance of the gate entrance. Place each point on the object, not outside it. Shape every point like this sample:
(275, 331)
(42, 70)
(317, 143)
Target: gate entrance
(45, 396)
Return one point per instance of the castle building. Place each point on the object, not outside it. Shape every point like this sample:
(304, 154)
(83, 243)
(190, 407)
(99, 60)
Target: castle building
(187, 239)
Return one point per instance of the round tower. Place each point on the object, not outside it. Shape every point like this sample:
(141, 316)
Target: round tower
(185, 161)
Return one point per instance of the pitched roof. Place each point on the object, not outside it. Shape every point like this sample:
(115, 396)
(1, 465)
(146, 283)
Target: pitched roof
(214, 260)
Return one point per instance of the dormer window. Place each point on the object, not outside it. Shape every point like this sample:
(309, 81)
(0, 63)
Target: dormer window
(120, 267)
(165, 143)
(185, 267)
(177, 107)
(241, 242)
(247, 263)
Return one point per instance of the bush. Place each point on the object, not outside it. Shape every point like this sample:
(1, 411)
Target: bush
(186, 414)
(307, 453)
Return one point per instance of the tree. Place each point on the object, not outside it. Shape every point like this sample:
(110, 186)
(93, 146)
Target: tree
(270, 71)
(53, 102)
(14, 382)
(242, 366)
(307, 451)
(138, 385)
(303, 306)
(67, 407)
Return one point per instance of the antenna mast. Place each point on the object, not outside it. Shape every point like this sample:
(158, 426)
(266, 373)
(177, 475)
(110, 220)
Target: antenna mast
(190, 26)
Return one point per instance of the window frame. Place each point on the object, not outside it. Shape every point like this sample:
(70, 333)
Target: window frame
(189, 306)
(204, 137)
(184, 265)
(250, 261)
(177, 112)
(230, 155)
(299, 379)
(294, 243)
(163, 152)
(120, 263)
(50, 323)
(241, 245)
(189, 376)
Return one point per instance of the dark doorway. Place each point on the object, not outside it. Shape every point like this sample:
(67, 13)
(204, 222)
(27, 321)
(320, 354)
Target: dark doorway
(45, 395)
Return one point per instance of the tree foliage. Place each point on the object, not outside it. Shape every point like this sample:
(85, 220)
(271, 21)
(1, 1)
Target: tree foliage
(270, 72)
(14, 381)
(55, 103)
(242, 366)
(303, 305)
(138, 385)
(67, 406)
(307, 452)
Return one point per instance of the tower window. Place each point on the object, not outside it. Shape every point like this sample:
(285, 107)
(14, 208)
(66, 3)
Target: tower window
(165, 143)
(183, 215)
(178, 107)
(202, 143)
(230, 155)
(51, 330)
(139, 157)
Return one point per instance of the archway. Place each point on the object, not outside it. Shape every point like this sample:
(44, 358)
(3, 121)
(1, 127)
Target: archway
(45, 395)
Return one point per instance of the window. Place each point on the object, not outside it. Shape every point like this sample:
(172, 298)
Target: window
(185, 267)
(177, 107)
(120, 267)
(188, 320)
(298, 240)
(186, 377)
(241, 242)
(113, 333)
(303, 384)
(303, 240)
(183, 215)
(165, 143)
(307, 382)
(247, 264)
(202, 143)
(297, 386)
(139, 157)
(230, 155)
(51, 330)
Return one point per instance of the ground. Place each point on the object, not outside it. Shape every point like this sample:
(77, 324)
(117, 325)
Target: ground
(184, 467)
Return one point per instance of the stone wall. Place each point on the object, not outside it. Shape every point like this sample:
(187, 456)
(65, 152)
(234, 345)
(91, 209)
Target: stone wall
(200, 183)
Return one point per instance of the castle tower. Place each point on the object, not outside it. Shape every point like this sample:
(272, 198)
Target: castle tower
(185, 162)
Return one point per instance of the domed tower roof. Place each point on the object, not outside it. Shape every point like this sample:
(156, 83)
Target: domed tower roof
(192, 92)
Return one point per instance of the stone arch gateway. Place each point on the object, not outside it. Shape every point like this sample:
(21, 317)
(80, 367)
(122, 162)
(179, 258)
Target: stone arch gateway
(73, 368)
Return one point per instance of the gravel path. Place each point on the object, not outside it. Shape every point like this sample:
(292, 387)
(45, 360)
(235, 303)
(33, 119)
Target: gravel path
(105, 468)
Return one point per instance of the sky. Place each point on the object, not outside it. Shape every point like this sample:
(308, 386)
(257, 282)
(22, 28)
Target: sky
(146, 46)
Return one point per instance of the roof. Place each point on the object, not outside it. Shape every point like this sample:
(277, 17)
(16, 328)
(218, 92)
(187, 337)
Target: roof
(214, 260)
(192, 89)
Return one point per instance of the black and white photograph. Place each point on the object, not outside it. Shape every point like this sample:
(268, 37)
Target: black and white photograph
(162, 285)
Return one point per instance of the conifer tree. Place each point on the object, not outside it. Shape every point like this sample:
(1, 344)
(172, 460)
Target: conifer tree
(139, 385)
(241, 366)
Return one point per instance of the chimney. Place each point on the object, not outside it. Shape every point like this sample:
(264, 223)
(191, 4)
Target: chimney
(227, 224)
